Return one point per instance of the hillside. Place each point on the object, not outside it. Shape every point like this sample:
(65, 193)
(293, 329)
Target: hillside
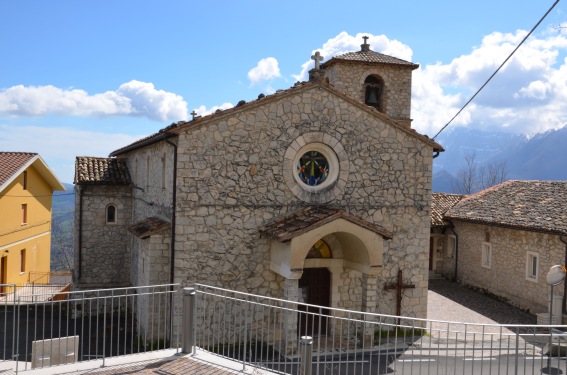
(62, 228)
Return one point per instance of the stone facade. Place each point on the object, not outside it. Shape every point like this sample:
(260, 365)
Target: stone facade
(507, 277)
(232, 181)
(219, 179)
(100, 240)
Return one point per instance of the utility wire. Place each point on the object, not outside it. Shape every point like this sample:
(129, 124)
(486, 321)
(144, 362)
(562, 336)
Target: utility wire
(497, 70)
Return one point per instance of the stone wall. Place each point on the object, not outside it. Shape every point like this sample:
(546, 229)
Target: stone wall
(396, 96)
(506, 278)
(105, 250)
(231, 181)
(151, 169)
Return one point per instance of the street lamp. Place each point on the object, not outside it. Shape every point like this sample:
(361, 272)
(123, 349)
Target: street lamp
(555, 276)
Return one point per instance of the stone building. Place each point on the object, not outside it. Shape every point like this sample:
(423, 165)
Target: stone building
(443, 241)
(506, 239)
(323, 182)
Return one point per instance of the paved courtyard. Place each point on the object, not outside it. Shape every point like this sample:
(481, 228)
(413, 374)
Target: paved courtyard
(452, 302)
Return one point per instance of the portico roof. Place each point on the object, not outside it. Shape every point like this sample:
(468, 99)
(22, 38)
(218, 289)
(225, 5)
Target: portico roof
(312, 217)
(149, 226)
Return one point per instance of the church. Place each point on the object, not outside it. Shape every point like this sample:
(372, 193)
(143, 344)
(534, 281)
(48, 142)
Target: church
(318, 193)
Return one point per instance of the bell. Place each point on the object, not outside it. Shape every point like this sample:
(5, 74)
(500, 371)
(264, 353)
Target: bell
(372, 98)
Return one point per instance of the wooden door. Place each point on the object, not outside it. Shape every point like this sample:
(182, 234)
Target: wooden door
(315, 286)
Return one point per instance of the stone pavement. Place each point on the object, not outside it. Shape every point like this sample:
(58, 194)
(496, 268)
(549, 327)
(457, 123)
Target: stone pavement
(447, 301)
(452, 302)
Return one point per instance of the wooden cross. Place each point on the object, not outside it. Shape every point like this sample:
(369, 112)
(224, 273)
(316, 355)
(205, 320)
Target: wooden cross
(399, 287)
(317, 57)
(194, 114)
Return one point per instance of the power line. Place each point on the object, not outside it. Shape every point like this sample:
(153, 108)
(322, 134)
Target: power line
(497, 70)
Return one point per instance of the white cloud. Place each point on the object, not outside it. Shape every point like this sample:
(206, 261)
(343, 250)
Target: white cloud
(58, 146)
(344, 42)
(265, 70)
(528, 95)
(133, 98)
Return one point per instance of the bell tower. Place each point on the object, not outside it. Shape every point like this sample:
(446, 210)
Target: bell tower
(380, 81)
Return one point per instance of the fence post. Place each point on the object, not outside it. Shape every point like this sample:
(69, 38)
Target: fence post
(517, 350)
(306, 350)
(188, 320)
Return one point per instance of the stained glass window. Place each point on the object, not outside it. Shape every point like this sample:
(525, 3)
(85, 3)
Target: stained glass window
(313, 168)
(319, 250)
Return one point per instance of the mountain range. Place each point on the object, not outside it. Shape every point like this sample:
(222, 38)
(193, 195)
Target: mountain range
(539, 157)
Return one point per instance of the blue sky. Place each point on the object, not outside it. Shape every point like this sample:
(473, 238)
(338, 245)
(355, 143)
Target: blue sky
(86, 77)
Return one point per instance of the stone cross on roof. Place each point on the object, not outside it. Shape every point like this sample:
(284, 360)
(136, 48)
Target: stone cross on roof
(365, 47)
(318, 58)
(194, 114)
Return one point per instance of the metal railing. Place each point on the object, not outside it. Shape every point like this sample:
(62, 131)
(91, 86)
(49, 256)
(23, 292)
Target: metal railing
(277, 335)
(85, 325)
(280, 336)
(55, 277)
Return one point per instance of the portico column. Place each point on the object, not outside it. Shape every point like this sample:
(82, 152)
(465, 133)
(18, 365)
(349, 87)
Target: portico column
(290, 318)
(369, 299)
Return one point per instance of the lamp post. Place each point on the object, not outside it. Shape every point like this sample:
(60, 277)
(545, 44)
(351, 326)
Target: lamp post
(555, 276)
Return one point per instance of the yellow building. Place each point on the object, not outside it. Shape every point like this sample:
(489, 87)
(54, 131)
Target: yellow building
(26, 188)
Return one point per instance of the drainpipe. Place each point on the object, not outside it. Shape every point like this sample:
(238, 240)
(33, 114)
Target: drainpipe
(455, 276)
(79, 270)
(561, 238)
(173, 213)
(172, 245)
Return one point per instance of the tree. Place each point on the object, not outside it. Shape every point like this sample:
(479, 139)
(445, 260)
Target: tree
(472, 177)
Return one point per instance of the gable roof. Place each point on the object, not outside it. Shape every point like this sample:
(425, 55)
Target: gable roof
(101, 171)
(441, 203)
(298, 88)
(527, 205)
(312, 217)
(161, 135)
(12, 164)
(369, 56)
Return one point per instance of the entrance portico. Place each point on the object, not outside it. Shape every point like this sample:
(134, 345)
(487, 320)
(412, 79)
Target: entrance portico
(355, 246)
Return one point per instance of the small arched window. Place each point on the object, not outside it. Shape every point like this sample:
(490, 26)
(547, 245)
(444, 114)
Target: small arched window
(111, 214)
(373, 88)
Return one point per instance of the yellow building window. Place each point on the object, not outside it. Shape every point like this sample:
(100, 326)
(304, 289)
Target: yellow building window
(24, 213)
(25, 183)
(22, 260)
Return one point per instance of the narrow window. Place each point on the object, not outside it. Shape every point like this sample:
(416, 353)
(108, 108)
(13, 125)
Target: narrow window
(531, 266)
(25, 183)
(111, 214)
(22, 260)
(24, 213)
(486, 260)
(451, 246)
